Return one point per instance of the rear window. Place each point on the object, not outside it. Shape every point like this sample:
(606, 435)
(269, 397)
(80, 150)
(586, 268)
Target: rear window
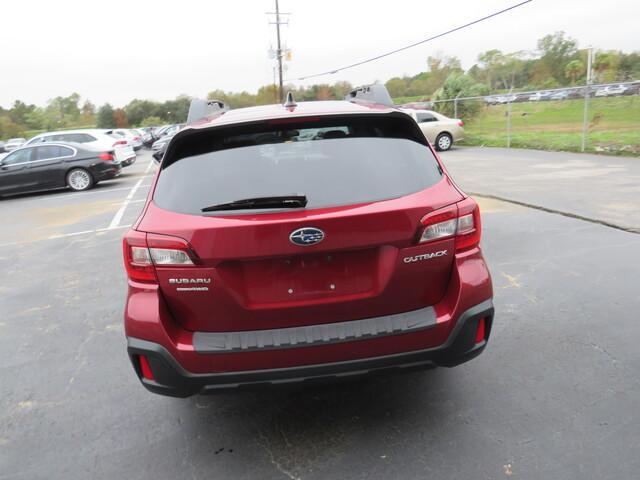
(332, 162)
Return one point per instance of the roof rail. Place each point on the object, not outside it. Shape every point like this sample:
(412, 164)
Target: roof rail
(375, 93)
(201, 108)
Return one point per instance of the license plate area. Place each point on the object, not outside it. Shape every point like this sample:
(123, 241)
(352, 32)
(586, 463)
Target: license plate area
(306, 277)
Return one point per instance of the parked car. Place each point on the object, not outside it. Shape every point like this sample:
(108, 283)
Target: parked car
(13, 143)
(417, 105)
(561, 95)
(96, 139)
(373, 265)
(611, 90)
(52, 165)
(160, 146)
(2, 150)
(632, 89)
(165, 137)
(538, 96)
(138, 135)
(441, 131)
(135, 140)
(576, 93)
(148, 137)
(506, 99)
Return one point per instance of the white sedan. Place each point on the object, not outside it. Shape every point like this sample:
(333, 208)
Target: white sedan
(441, 131)
(13, 143)
(122, 150)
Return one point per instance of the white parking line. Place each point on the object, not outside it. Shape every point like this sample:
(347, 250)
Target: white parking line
(151, 162)
(69, 195)
(84, 232)
(140, 200)
(118, 216)
(64, 235)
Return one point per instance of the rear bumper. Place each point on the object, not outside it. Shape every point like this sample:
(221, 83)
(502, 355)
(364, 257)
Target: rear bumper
(170, 378)
(107, 173)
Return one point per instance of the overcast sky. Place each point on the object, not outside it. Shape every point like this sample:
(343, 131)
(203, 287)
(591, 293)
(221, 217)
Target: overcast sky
(114, 51)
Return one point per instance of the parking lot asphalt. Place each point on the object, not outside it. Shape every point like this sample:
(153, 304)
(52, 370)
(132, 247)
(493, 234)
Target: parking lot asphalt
(596, 187)
(555, 395)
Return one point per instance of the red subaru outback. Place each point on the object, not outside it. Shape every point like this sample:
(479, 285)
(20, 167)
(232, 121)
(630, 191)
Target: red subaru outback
(284, 244)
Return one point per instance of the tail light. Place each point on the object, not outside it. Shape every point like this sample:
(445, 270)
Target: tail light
(460, 123)
(136, 138)
(106, 157)
(460, 221)
(120, 142)
(144, 252)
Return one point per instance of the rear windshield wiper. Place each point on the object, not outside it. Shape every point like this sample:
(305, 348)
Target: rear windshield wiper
(287, 201)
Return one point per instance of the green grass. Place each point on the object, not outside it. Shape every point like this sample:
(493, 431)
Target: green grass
(415, 98)
(614, 125)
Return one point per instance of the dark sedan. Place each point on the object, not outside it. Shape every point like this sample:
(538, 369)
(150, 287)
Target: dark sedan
(55, 165)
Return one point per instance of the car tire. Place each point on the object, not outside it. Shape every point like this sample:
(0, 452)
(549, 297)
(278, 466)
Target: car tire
(79, 179)
(443, 142)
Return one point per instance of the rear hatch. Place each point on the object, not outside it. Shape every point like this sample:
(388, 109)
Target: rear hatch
(368, 181)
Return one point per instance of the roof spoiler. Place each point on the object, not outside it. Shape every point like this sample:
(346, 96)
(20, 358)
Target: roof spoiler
(375, 93)
(201, 108)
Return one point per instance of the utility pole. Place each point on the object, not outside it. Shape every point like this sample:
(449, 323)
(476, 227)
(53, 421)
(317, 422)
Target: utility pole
(279, 51)
(587, 94)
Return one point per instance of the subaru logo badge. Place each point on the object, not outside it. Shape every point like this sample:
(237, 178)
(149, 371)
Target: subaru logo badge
(306, 236)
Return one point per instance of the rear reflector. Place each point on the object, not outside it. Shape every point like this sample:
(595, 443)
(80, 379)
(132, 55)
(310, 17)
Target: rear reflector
(480, 332)
(145, 367)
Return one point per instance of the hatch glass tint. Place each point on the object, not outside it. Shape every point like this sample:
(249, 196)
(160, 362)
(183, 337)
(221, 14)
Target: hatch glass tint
(342, 163)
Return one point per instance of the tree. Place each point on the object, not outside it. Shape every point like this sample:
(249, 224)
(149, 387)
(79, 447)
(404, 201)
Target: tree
(234, 100)
(105, 116)
(555, 52)
(120, 118)
(177, 110)
(488, 60)
(605, 65)
(397, 87)
(459, 85)
(267, 94)
(324, 93)
(340, 89)
(88, 113)
(151, 122)
(629, 66)
(137, 110)
(573, 69)
(19, 111)
(8, 128)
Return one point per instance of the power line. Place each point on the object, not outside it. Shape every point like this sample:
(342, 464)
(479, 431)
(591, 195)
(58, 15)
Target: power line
(406, 47)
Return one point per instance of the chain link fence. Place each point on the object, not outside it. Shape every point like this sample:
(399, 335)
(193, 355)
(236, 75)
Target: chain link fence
(594, 118)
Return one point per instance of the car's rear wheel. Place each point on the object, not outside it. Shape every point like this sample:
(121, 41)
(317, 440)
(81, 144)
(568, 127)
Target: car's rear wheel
(444, 142)
(79, 179)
